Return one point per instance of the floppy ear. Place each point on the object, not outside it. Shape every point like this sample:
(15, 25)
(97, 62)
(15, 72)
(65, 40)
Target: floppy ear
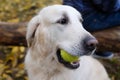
(31, 29)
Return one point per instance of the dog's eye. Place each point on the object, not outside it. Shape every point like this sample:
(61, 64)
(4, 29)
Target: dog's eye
(81, 20)
(63, 21)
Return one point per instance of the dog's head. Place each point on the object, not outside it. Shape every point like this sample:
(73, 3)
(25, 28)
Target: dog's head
(60, 27)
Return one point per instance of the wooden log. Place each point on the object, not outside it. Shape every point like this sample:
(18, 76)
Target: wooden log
(109, 39)
(14, 34)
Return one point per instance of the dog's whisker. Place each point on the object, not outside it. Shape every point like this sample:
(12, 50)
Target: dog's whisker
(93, 52)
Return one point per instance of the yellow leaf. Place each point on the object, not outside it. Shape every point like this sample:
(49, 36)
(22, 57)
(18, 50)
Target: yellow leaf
(15, 49)
(21, 66)
(26, 78)
(17, 1)
(8, 71)
(2, 67)
(22, 49)
(14, 20)
(7, 77)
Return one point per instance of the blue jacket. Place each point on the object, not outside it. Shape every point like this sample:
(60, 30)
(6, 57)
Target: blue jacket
(85, 6)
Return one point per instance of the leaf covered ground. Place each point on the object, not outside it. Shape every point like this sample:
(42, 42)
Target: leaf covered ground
(12, 57)
(22, 10)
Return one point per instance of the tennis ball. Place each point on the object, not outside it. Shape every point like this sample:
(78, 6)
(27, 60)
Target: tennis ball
(68, 57)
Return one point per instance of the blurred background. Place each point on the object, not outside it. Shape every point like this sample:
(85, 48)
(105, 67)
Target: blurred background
(12, 57)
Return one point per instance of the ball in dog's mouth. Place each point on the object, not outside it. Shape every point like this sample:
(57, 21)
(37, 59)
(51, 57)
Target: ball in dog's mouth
(69, 61)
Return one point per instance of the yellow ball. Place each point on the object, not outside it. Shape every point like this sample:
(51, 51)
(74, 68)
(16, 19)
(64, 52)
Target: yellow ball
(68, 57)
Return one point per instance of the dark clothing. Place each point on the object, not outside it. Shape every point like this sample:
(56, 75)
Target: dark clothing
(81, 6)
(94, 5)
(97, 14)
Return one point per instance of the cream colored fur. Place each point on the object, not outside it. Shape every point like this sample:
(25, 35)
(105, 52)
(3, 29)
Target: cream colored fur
(45, 35)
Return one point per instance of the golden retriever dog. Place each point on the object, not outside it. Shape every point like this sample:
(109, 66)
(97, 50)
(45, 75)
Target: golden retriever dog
(52, 29)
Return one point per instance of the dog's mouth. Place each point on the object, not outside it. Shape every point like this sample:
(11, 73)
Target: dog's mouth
(70, 65)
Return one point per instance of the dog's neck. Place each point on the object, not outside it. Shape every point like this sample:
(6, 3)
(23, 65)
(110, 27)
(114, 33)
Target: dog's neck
(46, 68)
(45, 60)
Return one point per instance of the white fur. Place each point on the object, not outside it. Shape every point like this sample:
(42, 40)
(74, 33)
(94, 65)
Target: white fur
(45, 35)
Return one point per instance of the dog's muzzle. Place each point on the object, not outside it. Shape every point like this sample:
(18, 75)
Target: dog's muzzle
(90, 44)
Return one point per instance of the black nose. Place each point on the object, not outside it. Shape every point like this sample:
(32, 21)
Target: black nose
(90, 44)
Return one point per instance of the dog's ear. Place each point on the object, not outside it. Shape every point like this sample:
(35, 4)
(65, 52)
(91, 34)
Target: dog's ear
(31, 29)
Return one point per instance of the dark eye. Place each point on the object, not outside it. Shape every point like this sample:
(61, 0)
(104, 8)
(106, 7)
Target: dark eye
(81, 20)
(63, 21)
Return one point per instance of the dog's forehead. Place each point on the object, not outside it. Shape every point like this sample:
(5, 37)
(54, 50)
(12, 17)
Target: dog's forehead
(57, 11)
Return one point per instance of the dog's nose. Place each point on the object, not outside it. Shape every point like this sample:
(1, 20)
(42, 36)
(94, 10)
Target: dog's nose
(90, 44)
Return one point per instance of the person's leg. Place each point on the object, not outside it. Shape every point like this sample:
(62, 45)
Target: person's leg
(103, 55)
(97, 21)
